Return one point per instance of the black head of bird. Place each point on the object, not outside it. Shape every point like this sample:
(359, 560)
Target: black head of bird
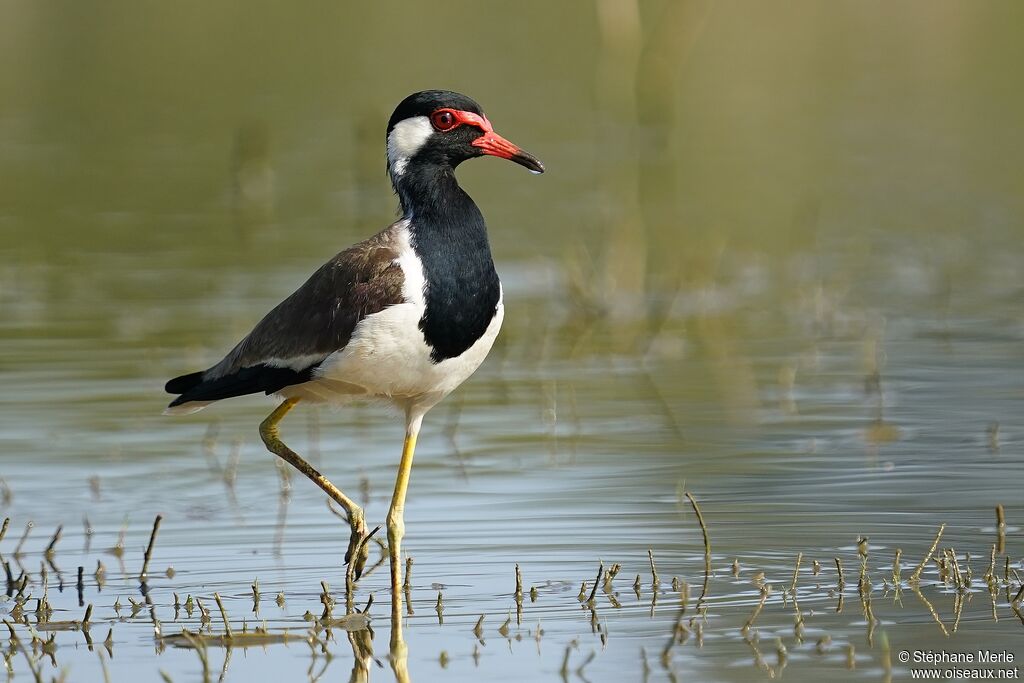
(436, 130)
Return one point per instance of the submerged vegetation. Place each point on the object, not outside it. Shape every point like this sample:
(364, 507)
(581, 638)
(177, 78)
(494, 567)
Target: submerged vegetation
(738, 601)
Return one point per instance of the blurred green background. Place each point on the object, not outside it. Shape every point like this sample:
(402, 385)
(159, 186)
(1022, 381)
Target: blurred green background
(758, 123)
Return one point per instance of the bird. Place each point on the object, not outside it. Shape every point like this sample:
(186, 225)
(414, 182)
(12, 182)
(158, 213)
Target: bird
(406, 315)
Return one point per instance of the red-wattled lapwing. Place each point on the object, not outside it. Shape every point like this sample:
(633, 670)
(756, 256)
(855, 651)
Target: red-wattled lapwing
(406, 315)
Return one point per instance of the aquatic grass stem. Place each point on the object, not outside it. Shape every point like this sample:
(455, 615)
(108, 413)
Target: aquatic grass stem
(757, 610)
(1000, 529)
(223, 615)
(408, 573)
(935, 544)
(597, 582)
(707, 547)
(149, 548)
(53, 541)
(21, 542)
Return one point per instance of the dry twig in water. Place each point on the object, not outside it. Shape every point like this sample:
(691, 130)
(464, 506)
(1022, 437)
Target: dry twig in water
(149, 548)
(935, 544)
(707, 546)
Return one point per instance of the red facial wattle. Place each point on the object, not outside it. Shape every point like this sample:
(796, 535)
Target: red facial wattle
(490, 142)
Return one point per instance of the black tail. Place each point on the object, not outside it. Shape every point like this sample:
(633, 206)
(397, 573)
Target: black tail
(251, 380)
(179, 385)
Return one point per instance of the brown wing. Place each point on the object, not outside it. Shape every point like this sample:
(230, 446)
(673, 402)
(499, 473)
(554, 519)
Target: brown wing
(319, 317)
(312, 323)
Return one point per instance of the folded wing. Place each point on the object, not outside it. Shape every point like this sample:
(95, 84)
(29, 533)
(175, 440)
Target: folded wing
(318, 319)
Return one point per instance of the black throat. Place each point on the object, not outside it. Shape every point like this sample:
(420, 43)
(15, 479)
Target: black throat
(450, 238)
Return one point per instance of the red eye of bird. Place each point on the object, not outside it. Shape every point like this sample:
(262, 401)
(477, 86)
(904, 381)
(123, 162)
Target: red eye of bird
(443, 120)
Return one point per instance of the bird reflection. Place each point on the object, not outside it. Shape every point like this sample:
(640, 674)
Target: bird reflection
(252, 178)
(361, 642)
(399, 652)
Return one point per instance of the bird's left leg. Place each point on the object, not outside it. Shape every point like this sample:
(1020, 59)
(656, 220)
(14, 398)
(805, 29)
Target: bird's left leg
(357, 547)
(396, 515)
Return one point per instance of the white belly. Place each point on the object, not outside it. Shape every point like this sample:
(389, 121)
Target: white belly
(387, 357)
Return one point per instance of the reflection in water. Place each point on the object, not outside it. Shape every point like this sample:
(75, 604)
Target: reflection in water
(362, 654)
(399, 651)
(726, 608)
(284, 495)
(252, 180)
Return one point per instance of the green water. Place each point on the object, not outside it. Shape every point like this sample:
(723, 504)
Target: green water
(775, 262)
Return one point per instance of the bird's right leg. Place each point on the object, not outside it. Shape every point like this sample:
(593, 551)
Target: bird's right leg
(272, 440)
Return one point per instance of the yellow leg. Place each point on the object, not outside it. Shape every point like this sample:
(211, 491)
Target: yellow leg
(396, 515)
(272, 440)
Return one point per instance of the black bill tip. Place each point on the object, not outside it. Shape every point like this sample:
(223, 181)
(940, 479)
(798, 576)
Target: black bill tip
(531, 162)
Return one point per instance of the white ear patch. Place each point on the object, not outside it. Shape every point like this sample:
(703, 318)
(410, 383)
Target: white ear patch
(406, 138)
